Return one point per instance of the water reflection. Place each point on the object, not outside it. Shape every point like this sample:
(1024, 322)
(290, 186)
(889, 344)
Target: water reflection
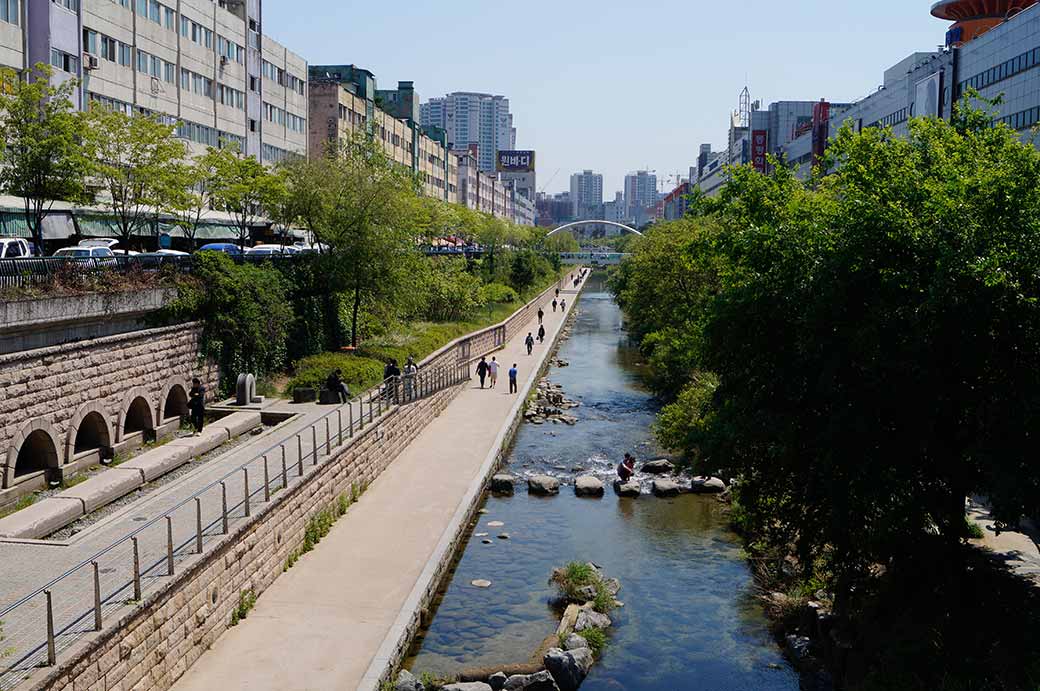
(689, 619)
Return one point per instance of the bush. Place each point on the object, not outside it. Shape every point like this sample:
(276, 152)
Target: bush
(359, 373)
(450, 292)
(497, 292)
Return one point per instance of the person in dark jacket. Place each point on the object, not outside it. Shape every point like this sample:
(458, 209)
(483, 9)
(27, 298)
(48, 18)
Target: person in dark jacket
(541, 313)
(482, 370)
(336, 385)
(626, 468)
(529, 342)
(197, 405)
(541, 334)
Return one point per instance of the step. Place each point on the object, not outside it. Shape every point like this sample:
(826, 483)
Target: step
(103, 488)
(41, 519)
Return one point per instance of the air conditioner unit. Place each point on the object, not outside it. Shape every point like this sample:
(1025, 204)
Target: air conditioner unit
(223, 60)
(90, 62)
(156, 86)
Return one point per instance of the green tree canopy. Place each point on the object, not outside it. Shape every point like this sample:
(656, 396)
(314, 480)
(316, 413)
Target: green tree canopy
(242, 187)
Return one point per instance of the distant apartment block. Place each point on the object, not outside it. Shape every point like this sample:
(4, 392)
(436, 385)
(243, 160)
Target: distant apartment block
(472, 120)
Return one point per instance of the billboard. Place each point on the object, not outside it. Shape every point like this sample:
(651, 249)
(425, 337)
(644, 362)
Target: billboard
(515, 162)
(759, 147)
(821, 114)
(926, 96)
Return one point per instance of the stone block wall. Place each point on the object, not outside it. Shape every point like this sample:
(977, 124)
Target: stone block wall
(151, 647)
(51, 390)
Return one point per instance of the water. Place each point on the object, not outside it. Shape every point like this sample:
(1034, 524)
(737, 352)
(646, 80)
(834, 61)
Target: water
(690, 620)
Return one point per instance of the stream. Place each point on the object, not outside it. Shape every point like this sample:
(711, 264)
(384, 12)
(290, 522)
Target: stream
(690, 619)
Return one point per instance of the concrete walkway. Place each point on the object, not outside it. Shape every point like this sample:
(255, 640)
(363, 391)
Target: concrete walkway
(321, 624)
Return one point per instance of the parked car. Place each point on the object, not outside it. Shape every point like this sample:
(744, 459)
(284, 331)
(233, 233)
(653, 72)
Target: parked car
(110, 243)
(103, 254)
(172, 253)
(225, 247)
(13, 248)
(272, 250)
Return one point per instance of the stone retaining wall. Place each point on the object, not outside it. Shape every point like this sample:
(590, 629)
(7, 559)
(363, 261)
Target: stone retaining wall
(53, 389)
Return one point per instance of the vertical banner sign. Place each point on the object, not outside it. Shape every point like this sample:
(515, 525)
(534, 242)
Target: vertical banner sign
(759, 146)
(821, 114)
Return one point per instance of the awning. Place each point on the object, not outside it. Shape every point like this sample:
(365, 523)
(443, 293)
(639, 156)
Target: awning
(14, 225)
(106, 227)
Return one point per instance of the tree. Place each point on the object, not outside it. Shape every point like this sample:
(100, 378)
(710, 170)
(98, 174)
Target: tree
(522, 270)
(191, 199)
(43, 159)
(366, 221)
(243, 187)
(135, 160)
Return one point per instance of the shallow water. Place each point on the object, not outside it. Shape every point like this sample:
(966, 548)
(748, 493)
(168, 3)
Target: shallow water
(689, 621)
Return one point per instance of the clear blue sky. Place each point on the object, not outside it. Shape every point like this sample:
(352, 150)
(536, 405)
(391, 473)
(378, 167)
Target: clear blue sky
(614, 85)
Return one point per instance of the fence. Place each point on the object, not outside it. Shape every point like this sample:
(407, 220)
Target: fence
(53, 617)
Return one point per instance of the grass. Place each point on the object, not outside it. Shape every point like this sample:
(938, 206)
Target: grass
(246, 602)
(972, 529)
(68, 482)
(575, 577)
(321, 523)
(22, 503)
(596, 638)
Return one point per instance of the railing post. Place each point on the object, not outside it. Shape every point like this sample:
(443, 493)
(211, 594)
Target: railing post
(328, 438)
(52, 655)
(314, 444)
(198, 525)
(339, 422)
(169, 545)
(97, 596)
(245, 490)
(299, 455)
(350, 416)
(137, 570)
(223, 507)
(370, 416)
(285, 472)
(267, 482)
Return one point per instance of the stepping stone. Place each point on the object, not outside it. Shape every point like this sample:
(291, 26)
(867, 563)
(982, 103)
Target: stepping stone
(480, 583)
(495, 524)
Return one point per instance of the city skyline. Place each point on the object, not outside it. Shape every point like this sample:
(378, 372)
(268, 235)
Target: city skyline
(566, 85)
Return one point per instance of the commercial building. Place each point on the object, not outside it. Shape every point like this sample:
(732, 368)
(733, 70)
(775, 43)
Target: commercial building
(676, 202)
(586, 194)
(342, 101)
(203, 64)
(473, 119)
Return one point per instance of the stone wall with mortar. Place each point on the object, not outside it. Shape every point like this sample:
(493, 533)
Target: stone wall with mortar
(151, 647)
(54, 388)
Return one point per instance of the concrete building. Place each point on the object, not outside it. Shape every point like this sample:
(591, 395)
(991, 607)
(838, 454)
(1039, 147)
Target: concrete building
(467, 170)
(12, 28)
(470, 119)
(586, 194)
(553, 209)
(640, 194)
(676, 202)
(205, 65)
(614, 210)
(339, 105)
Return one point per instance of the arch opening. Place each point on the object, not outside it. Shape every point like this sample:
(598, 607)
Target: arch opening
(575, 224)
(36, 453)
(176, 404)
(92, 434)
(138, 417)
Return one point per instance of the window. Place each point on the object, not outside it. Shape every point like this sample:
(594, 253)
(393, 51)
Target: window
(124, 54)
(157, 67)
(142, 61)
(168, 75)
(70, 5)
(185, 24)
(90, 41)
(142, 8)
(170, 19)
(108, 48)
(185, 79)
(9, 11)
(154, 12)
(64, 62)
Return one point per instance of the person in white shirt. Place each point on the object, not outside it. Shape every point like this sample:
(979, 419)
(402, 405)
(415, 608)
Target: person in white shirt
(493, 371)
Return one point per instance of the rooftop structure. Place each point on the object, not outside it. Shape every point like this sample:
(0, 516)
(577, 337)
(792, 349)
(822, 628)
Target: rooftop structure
(972, 18)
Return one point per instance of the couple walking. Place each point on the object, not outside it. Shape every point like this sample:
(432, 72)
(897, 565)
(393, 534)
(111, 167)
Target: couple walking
(485, 369)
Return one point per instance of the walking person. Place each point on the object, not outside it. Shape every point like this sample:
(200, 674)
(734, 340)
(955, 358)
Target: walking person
(197, 405)
(541, 334)
(493, 371)
(541, 313)
(563, 305)
(512, 378)
(557, 292)
(482, 370)
(529, 342)
(554, 304)
(411, 371)
(391, 375)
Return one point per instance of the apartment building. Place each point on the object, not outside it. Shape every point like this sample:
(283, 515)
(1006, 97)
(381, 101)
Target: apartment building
(204, 65)
(12, 41)
(337, 108)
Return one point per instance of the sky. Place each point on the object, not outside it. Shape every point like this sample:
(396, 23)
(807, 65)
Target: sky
(614, 85)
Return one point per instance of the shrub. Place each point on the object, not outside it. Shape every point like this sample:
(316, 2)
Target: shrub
(497, 292)
(596, 638)
(358, 372)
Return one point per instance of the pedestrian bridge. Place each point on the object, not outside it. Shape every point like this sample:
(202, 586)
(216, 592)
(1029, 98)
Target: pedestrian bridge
(586, 222)
(592, 258)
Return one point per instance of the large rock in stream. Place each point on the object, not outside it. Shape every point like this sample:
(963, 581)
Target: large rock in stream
(540, 681)
(568, 667)
(467, 686)
(660, 467)
(627, 489)
(406, 681)
(588, 486)
(591, 619)
(707, 485)
(502, 483)
(543, 485)
(667, 488)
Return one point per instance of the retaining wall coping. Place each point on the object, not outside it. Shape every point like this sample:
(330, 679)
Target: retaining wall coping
(42, 518)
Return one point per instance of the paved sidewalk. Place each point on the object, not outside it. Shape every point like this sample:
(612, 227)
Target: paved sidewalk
(320, 625)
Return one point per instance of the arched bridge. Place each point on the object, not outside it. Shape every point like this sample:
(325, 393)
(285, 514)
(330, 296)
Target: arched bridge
(574, 224)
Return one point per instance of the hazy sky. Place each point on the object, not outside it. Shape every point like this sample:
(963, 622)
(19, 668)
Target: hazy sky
(614, 85)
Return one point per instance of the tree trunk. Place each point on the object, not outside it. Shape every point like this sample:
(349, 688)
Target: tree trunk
(354, 316)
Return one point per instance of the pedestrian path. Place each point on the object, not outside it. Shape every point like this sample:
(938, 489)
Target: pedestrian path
(322, 623)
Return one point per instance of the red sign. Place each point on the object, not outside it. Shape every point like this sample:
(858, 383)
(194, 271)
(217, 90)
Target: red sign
(759, 147)
(821, 114)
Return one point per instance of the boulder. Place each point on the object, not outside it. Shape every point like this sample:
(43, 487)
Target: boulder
(502, 484)
(660, 467)
(568, 667)
(612, 585)
(497, 681)
(586, 593)
(799, 648)
(588, 486)
(707, 485)
(540, 681)
(406, 681)
(574, 641)
(543, 484)
(467, 686)
(591, 619)
(627, 489)
(666, 488)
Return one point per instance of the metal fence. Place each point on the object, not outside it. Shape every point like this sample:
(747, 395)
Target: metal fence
(54, 616)
(40, 271)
